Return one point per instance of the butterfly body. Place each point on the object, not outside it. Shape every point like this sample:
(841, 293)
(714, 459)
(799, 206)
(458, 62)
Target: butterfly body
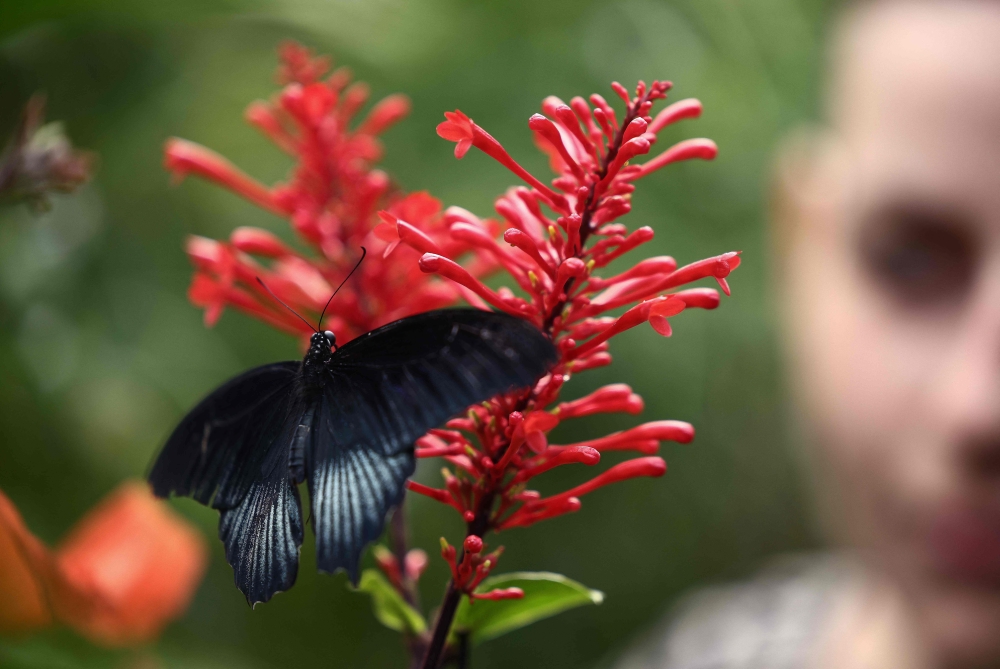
(344, 421)
(315, 365)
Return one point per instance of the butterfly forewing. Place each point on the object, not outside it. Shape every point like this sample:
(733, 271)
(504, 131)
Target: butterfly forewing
(385, 390)
(217, 451)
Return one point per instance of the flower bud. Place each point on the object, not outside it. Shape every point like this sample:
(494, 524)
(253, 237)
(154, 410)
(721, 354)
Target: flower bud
(415, 563)
(473, 544)
(258, 242)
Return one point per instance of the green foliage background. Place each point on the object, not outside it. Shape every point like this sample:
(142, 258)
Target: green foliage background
(100, 353)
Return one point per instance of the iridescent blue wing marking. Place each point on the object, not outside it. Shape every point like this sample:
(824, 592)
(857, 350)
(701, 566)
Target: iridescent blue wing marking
(262, 537)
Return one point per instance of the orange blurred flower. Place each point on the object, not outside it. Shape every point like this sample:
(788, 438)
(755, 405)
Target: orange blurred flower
(126, 569)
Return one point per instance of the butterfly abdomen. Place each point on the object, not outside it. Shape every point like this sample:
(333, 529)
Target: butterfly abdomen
(297, 449)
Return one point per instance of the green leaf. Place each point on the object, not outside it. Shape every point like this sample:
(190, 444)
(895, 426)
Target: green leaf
(389, 606)
(545, 595)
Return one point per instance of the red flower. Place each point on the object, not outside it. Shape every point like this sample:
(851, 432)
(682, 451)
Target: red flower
(468, 573)
(554, 258)
(498, 448)
(126, 569)
(458, 128)
(330, 200)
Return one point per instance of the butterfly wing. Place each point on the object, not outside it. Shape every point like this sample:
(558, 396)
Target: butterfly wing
(232, 452)
(216, 452)
(352, 483)
(262, 537)
(386, 389)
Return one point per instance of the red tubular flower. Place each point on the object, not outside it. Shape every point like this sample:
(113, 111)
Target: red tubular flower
(557, 239)
(182, 157)
(331, 201)
(566, 455)
(460, 128)
(555, 505)
(457, 128)
(385, 113)
(414, 564)
(612, 398)
(389, 565)
(682, 109)
(442, 496)
(259, 242)
(499, 593)
(686, 150)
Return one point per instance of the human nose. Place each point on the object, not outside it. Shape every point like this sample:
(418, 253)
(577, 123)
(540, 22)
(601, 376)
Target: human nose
(968, 392)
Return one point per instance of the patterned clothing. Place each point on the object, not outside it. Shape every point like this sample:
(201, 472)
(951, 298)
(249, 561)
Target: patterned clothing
(772, 622)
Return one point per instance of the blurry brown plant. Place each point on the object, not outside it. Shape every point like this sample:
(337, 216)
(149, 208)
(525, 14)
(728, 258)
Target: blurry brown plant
(125, 570)
(39, 159)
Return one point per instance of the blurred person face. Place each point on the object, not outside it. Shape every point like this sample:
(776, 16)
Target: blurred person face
(891, 280)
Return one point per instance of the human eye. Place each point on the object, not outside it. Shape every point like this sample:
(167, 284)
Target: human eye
(921, 255)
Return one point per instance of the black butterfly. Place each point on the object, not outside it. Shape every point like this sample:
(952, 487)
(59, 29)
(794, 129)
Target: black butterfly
(344, 420)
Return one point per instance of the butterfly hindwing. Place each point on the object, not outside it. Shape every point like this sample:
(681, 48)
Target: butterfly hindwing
(386, 389)
(352, 482)
(262, 537)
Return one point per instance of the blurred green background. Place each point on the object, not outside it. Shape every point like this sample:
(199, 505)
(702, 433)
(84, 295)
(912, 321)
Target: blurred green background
(100, 352)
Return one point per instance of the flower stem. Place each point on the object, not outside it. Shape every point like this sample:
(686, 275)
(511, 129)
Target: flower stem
(453, 596)
(463, 650)
(399, 543)
(449, 606)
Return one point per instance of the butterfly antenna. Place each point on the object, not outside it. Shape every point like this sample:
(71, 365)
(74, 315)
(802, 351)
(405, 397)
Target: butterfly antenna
(364, 252)
(278, 299)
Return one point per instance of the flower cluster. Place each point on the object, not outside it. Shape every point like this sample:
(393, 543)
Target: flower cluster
(331, 200)
(126, 569)
(500, 446)
(553, 258)
(467, 574)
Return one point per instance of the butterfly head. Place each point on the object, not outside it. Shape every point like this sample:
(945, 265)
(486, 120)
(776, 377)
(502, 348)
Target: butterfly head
(321, 349)
(323, 341)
